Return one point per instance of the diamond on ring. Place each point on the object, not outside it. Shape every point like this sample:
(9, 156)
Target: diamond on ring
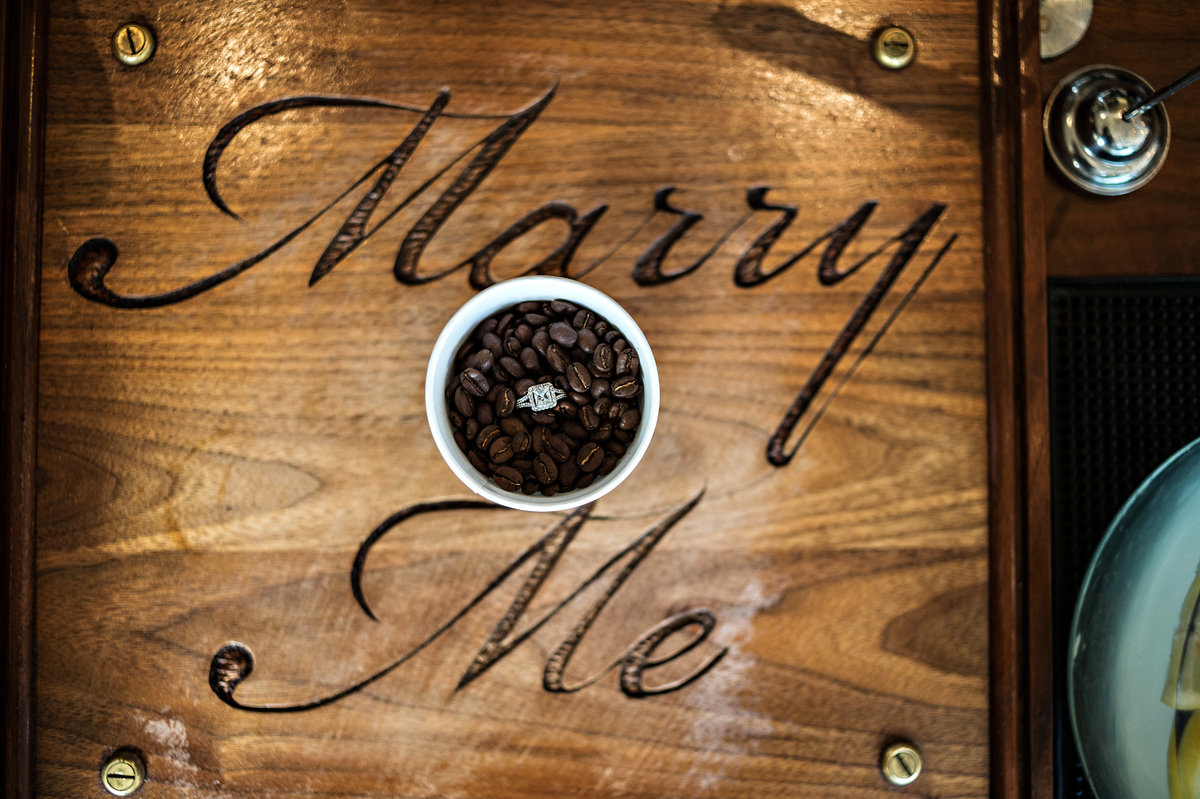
(542, 397)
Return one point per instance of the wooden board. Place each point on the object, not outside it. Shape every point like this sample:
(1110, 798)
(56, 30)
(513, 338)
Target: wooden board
(212, 456)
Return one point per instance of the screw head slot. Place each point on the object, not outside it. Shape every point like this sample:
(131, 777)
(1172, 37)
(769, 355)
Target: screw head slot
(894, 48)
(133, 44)
(123, 773)
(901, 764)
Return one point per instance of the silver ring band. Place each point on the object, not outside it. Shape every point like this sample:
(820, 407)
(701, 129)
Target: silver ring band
(542, 397)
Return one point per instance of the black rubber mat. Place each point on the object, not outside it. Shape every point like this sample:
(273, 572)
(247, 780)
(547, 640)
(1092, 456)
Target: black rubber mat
(1124, 396)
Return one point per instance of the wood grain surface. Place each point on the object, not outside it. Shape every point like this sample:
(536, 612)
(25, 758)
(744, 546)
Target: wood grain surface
(208, 468)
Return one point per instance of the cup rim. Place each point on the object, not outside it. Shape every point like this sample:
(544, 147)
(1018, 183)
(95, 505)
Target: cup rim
(511, 292)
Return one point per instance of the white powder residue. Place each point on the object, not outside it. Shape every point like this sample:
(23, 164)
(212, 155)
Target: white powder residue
(724, 730)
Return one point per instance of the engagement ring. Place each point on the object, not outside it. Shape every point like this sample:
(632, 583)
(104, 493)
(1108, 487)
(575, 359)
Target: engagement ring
(542, 397)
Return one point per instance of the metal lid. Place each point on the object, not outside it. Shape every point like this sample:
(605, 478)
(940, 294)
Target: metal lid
(1091, 142)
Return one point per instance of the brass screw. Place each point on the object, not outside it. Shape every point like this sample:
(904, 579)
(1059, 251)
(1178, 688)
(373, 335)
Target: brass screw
(901, 764)
(133, 44)
(123, 773)
(894, 48)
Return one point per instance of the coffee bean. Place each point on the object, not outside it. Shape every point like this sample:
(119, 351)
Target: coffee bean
(536, 319)
(476, 460)
(545, 417)
(588, 417)
(550, 490)
(624, 436)
(485, 413)
(568, 473)
(587, 341)
(486, 326)
(521, 442)
(481, 360)
(501, 450)
(626, 386)
(603, 432)
(620, 345)
(522, 465)
(583, 319)
(614, 447)
(506, 401)
(461, 441)
(556, 358)
(608, 464)
(590, 457)
(529, 359)
(602, 406)
(512, 345)
(500, 374)
(465, 350)
(601, 327)
(579, 398)
(563, 334)
(567, 409)
(615, 410)
(584, 481)
(474, 382)
(544, 469)
(505, 322)
(629, 419)
(486, 436)
(627, 362)
(507, 478)
(612, 336)
(512, 366)
(522, 386)
(540, 340)
(560, 382)
(493, 343)
(463, 402)
(524, 333)
(456, 419)
(602, 359)
(572, 429)
(578, 376)
(472, 428)
(530, 486)
(512, 425)
(600, 388)
(529, 306)
(540, 434)
(561, 308)
(557, 448)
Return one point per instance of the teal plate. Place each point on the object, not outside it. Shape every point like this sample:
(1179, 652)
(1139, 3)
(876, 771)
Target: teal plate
(1132, 622)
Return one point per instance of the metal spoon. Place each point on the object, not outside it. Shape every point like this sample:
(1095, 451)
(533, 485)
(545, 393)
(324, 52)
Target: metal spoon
(1160, 95)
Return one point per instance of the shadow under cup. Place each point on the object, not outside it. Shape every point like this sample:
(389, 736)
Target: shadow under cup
(463, 323)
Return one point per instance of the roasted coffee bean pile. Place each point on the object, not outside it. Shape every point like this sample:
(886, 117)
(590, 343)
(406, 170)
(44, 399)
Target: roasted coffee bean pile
(567, 447)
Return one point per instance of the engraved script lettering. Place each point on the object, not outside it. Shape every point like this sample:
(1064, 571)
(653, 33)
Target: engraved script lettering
(93, 260)
(233, 663)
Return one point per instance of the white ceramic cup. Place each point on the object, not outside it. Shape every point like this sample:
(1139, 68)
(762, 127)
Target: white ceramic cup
(485, 304)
